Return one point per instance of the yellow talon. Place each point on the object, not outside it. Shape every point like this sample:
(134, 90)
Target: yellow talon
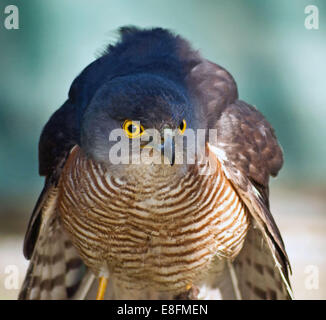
(188, 287)
(101, 288)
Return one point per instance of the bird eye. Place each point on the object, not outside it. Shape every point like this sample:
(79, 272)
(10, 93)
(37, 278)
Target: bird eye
(132, 129)
(182, 126)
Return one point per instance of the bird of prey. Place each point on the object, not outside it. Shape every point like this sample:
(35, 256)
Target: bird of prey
(168, 230)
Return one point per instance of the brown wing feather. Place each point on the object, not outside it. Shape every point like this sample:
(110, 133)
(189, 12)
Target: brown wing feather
(248, 151)
(35, 220)
(247, 148)
(255, 269)
(58, 137)
(56, 269)
(250, 155)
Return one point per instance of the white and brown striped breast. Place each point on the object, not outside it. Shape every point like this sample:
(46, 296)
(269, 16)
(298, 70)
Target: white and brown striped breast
(150, 229)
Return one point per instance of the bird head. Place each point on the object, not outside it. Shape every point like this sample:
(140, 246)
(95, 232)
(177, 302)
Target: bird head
(138, 113)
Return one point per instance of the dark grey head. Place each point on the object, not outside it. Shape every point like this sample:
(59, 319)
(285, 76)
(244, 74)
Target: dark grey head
(140, 84)
(146, 100)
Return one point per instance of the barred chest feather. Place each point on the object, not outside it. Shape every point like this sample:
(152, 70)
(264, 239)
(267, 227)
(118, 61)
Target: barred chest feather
(151, 230)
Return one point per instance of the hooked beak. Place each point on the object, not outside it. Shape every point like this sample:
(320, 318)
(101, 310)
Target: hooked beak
(166, 147)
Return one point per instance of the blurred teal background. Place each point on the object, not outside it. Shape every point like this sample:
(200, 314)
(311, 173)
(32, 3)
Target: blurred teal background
(278, 64)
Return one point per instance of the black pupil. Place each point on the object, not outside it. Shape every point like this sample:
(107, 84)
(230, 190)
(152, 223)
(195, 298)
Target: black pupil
(181, 126)
(132, 128)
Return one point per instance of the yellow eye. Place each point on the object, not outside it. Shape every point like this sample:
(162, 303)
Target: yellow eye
(182, 126)
(132, 129)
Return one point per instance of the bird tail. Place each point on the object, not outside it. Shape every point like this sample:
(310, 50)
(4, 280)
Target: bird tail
(55, 270)
(255, 273)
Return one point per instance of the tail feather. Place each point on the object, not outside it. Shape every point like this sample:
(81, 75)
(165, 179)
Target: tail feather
(258, 276)
(55, 270)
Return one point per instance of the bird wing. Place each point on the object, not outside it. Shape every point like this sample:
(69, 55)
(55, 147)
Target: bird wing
(58, 137)
(248, 152)
(259, 275)
(55, 270)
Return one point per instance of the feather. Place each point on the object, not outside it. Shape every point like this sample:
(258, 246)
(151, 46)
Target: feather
(268, 234)
(55, 269)
(257, 273)
(234, 280)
